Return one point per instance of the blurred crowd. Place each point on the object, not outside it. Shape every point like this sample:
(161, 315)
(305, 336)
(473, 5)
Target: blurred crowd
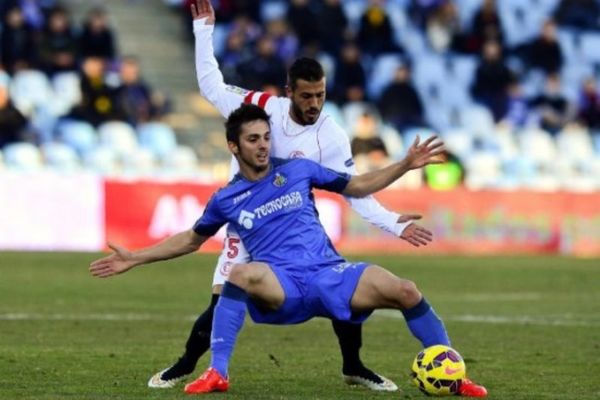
(54, 69)
(510, 85)
(469, 67)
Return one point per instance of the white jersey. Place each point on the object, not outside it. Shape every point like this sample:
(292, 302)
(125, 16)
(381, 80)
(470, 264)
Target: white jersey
(324, 142)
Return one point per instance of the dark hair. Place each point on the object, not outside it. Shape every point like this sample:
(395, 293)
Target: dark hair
(245, 113)
(306, 69)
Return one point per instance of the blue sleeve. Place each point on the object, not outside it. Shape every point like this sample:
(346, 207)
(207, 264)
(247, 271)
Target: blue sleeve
(327, 179)
(211, 220)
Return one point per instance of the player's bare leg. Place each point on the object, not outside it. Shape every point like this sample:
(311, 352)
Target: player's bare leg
(379, 288)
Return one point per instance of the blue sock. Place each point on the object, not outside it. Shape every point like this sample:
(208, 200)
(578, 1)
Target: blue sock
(227, 322)
(425, 325)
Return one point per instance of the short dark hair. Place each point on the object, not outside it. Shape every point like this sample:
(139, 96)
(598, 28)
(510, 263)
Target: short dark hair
(305, 68)
(241, 115)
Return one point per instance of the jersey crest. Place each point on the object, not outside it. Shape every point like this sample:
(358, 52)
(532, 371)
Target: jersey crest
(279, 180)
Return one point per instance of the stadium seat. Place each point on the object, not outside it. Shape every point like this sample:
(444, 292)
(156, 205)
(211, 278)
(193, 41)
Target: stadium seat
(575, 175)
(273, 9)
(483, 171)
(478, 120)
(354, 10)
(60, 157)
(352, 112)
(140, 162)
(409, 135)
(182, 161)
(590, 45)
(467, 10)
(335, 112)
(393, 141)
(458, 141)
(67, 92)
(30, 89)
(119, 136)
(102, 160)
(575, 144)
(462, 69)
(382, 73)
(538, 145)
(22, 157)
(596, 141)
(157, 137)
(79, 135)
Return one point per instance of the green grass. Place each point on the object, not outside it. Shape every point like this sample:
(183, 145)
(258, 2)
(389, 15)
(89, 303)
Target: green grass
(529, 328)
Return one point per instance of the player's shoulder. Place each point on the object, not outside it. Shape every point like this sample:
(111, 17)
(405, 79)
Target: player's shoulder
(264, 100)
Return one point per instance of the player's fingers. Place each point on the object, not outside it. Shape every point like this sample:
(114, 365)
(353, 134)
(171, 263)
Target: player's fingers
(429, 140)
(416, 141)
(424, 232)
(194, 10)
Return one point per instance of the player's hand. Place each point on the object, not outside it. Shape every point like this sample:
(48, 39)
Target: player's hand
(413, 233)
(118, 262)
(429, 152)
(203, 9)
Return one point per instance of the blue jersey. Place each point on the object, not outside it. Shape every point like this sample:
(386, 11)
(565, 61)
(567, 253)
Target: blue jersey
(276, 216)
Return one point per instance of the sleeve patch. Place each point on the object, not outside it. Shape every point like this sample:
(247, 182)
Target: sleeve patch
(237, 90)
(349, 162)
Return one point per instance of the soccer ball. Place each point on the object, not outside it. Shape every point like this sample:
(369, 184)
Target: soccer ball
(438, 370)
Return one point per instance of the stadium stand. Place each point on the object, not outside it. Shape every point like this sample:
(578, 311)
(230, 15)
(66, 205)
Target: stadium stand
(502, 147)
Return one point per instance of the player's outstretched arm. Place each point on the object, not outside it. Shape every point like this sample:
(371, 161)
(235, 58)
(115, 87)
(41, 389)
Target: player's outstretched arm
(203, 9)
(122, 260)
(418, 156)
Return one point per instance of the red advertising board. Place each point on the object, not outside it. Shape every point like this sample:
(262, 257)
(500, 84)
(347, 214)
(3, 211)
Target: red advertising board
(141, 213)
(485, 222)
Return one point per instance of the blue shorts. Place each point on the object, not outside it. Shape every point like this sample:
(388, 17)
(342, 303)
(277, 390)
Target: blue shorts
(323, 292)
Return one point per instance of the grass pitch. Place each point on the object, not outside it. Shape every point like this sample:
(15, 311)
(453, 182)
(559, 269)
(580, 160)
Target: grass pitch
(529, 328)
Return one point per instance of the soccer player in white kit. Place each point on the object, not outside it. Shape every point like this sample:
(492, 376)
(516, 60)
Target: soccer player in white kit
(298, 129)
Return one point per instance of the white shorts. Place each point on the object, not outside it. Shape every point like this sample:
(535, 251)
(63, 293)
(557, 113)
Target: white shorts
(234, 252)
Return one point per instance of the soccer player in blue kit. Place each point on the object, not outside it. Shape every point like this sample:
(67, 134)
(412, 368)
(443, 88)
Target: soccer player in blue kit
(295, 273)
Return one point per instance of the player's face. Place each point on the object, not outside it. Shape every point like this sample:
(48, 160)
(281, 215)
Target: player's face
(307, 101)
(254, 147)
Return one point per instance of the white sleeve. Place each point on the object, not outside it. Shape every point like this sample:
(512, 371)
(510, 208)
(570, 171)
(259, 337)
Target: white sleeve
(225, 98)
(339, 158)
(210, 79)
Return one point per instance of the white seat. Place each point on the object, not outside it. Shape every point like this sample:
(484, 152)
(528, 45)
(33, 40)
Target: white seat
(30, 89)
(102, 160)
(483, 171)
(575, 144)
(119, 136)
(182, 161)
(458, 142)
(273, 9)
(538, 145)
(23, 157)
(157, 137)
(393, 141)
(478, 120)
(67, 92)
(140, 162)
(80, 135)
(60, 157)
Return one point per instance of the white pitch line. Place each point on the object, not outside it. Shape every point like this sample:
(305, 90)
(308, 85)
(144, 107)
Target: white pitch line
(554, 320)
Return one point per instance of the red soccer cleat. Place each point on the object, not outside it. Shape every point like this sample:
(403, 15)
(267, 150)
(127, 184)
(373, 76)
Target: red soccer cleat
(209, 381)
(468, 388)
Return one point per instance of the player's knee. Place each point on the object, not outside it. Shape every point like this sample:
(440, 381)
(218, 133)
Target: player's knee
(239, 275)
(409, 294)
(245, 275)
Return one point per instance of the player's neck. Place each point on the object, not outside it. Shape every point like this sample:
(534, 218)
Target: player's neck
(252, 173)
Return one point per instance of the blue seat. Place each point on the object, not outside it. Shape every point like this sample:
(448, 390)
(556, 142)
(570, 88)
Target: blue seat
(79, 135)
(22, 157)
(157, 137)
(60, 157)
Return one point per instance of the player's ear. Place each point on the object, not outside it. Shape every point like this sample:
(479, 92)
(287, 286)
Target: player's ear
(288, 91)
(233, 147)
